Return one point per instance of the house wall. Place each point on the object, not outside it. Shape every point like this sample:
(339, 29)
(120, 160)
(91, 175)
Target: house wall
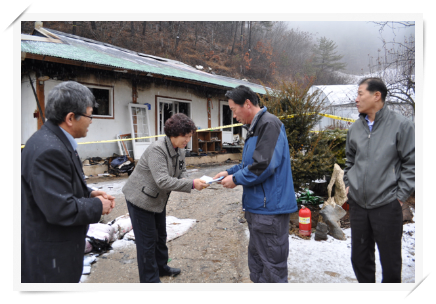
(28, 107)
(107, 129)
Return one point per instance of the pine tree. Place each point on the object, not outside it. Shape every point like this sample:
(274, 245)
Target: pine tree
(326, 62)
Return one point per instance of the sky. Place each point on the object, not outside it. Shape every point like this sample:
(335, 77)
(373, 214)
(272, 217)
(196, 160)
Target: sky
(354, 39)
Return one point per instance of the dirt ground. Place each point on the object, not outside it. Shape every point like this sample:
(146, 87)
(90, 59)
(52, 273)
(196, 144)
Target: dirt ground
(214, 250)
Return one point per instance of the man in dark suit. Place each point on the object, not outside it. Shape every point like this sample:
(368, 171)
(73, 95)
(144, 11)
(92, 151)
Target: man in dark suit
(56, 204)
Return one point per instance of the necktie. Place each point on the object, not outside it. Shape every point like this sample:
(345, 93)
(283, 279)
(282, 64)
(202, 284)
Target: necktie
(80, 162)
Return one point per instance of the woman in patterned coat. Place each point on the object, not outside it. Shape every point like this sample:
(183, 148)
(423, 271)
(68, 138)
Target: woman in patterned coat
(158, 172)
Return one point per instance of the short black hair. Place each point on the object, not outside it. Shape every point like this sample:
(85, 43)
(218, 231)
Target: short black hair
(375, 84)
(66, 97)
(241, 93)
(179, 125)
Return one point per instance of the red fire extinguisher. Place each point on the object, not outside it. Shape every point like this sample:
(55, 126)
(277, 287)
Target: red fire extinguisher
(305, 226)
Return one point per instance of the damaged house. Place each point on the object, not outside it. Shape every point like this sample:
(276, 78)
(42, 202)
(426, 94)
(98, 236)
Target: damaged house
(136, 93)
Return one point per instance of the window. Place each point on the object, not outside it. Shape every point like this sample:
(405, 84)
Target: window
(169, 106)
(104, 98)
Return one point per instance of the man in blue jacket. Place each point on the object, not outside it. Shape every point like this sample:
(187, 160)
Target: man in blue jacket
(268, 197)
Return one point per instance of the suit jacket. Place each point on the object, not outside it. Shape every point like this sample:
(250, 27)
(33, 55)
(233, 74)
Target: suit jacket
(55, 209)
(158, 172)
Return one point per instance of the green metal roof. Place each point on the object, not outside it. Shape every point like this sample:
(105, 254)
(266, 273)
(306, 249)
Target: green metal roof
(91, 51)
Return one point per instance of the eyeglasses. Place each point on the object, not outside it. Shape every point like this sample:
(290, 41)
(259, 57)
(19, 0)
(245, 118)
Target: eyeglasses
(90, 117)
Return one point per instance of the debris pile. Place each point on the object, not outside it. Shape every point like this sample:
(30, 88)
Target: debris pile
(332, 211)
(121, 164)
(101, 236)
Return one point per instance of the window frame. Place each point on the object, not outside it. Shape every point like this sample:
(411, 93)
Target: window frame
(111, 99)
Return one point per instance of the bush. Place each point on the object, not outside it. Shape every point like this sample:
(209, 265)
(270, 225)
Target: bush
(337, 140)
(312, 153)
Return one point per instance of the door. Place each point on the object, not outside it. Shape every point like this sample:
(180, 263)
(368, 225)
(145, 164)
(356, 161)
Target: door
(226, 118)
(140, 125)
(167, 108)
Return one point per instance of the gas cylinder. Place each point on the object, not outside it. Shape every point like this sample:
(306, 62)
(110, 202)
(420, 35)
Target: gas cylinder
(305, 226)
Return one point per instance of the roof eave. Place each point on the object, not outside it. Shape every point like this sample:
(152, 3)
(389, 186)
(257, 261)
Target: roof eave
(114, 69)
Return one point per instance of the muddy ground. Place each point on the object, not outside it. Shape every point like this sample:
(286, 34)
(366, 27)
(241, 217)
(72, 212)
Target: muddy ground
(213, 251)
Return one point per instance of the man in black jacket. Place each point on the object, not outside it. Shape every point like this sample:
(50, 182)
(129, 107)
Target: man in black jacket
(56, 204)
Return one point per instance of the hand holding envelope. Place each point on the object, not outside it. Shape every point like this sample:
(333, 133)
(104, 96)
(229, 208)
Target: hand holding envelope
(210, 180)
(200, 184)
(226, 181)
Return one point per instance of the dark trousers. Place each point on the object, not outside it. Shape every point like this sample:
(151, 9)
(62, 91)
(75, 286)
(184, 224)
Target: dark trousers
(268, 247)
(150, 238)
(384, 226)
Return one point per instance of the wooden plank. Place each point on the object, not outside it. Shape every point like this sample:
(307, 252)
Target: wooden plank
(47, 33)
(123, 143)
(37, 38)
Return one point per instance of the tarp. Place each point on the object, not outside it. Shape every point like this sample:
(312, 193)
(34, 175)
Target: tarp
(175, 228)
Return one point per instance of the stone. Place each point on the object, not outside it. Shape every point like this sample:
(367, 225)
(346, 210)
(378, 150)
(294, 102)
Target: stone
(315, 215)
(294, 219)
(331, 215)
(407, 213)
(338, 181)
(321, 232)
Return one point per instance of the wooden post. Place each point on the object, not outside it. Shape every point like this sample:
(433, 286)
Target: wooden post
(209, 116)
(41, 99)
(134, 91)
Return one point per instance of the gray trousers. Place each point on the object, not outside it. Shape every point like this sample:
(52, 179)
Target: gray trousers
(268, 247)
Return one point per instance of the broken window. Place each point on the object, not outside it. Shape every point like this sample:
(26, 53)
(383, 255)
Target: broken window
(104, 98)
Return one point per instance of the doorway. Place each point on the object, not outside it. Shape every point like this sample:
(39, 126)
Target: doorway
(227, 119)
(167, 107)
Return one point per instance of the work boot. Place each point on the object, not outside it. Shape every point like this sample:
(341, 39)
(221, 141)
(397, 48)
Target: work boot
(168, 271)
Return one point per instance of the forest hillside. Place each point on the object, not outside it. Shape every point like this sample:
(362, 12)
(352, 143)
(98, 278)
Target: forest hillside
(262, 52)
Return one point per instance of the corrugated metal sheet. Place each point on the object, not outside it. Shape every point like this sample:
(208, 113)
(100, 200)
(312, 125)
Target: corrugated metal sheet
(87, 50)
(338, 94)
(347, 94)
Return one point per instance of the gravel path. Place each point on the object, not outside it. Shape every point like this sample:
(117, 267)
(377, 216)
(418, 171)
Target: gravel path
(214, 250)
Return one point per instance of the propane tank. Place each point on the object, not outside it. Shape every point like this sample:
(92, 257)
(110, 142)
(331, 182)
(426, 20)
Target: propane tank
(305, 226)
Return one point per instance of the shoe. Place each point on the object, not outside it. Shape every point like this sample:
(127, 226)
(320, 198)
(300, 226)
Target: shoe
(168, 271)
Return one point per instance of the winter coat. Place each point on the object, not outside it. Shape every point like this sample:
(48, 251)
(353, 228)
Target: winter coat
(265, 170)
(55, 209)
(380, 165)
(158, 172)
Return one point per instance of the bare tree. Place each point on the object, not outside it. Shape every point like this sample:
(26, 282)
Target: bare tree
(177, 38)
(197, 24)
(249, 35)
(395, 64)
(242, 34)
(234, 37)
